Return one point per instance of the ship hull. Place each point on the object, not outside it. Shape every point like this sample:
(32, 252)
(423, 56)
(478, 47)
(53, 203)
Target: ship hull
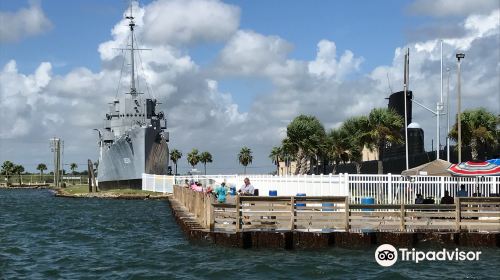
(121, 164)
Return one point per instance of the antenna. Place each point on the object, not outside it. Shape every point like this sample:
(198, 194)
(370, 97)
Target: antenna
(389, 83)
(131, 24)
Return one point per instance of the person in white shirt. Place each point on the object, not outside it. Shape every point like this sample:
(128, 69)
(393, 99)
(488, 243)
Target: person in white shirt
(247, 188)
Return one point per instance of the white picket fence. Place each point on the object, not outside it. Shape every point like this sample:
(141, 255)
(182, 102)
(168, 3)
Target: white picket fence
(158, 183)
(386, 188)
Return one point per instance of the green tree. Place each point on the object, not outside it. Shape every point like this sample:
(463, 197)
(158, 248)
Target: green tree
(288, 151)
(73, 166)
(478, 127)
(245, 157)
(384, 128)
(338, 147)
(18, 169)
(7, 170)
(193, 157)
(205, 157)
(175, 155)
(307, 135)
(276, 155)
(355, 130)
(41, 167)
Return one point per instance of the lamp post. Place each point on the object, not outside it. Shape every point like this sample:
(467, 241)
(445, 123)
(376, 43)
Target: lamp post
(448, 116)
(459, 121)
(439, 107)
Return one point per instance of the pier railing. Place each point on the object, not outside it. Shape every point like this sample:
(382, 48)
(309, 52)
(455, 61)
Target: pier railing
(336, 213)
(383, 188)
(198, 204)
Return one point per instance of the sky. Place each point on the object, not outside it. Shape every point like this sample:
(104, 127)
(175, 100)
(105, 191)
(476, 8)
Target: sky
(234, 73)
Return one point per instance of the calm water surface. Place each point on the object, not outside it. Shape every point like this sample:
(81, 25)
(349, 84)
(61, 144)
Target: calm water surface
(44, 237)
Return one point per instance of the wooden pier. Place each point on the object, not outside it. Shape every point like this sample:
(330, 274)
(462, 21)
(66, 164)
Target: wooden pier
(314, 222)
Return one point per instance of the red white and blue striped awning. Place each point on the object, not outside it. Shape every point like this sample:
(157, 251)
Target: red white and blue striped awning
(494, 161)
(471, 168)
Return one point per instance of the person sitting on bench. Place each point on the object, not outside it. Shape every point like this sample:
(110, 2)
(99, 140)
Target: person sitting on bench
(247, 188)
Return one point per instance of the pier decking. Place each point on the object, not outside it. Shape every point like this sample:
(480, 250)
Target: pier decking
(317, 221)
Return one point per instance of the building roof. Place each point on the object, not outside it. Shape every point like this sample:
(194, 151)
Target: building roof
(437, 167)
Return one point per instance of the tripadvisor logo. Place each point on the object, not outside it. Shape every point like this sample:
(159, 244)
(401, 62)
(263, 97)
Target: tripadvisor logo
(387, 255)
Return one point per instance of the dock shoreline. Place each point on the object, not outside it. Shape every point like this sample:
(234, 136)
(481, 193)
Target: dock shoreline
(295, 239)
(98, 195)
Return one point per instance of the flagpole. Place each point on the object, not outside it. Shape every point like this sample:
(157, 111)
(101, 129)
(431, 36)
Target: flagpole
(438, 107)
(406, 82)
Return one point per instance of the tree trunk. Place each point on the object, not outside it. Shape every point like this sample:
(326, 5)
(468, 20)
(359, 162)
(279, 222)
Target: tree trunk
(245, 169)
(175, 168)
(358, 167)
(380, 167)
(298, 166)
(205, 167)
(473, 148)
(302, 167)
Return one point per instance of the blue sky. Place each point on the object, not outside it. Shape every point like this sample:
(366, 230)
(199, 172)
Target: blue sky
(79, 27)
(326, 58)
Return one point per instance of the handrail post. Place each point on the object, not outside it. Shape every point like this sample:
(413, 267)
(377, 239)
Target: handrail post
(211, 213)
(292, 213)
(458, 214)
(238, 214)
(347, 214)
(402, 226)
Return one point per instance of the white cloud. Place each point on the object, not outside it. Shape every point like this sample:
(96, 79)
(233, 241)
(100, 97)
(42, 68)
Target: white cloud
(442, 8)
(189, 21)
(326, 64)
(23, 23)
(250, 53)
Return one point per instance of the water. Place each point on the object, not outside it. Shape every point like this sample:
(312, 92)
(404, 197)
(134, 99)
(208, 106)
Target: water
(45, 237)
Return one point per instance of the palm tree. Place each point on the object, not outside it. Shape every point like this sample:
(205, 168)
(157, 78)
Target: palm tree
(478, 127)
(384, 127)
(338, 146)
(41, 167)
(276, 156)
(175, 155)
(193, 158)
(73, 166)
(7, 170)
(288, 153)
(355, 129)
(205, 157)
(245, 157)
(18, 169)
(307, 135)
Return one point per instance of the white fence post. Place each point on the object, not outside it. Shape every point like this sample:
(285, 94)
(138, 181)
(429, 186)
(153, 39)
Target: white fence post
(441, 184)
(389, 188)
(346, 187)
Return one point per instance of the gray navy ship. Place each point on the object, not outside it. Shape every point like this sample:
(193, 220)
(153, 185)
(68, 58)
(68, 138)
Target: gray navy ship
(133, 140)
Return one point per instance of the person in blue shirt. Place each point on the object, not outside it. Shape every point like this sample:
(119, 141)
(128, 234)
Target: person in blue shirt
(220, 191)
(462, 192)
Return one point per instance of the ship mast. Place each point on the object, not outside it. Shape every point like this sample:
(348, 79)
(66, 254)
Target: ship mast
(131, 24)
